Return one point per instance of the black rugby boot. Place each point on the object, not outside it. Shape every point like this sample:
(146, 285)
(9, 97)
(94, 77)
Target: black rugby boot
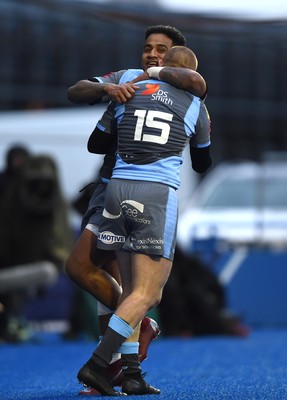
(135, 384)
(94, 376)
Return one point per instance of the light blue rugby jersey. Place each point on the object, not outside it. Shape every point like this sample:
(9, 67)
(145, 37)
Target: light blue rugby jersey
(153, 129)
(120, 76)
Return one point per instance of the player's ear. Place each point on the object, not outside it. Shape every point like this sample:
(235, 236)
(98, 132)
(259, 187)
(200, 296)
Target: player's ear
(160, 63)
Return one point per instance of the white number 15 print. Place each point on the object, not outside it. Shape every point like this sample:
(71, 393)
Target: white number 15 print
(147, 118)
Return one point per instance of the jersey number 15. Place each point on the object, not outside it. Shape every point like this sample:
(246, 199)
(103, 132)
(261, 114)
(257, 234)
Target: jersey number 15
(147, 118)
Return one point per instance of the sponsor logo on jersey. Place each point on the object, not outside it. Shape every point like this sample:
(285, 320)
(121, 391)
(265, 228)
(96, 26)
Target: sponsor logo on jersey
(110, 238)
(157, 93)
(150, 89)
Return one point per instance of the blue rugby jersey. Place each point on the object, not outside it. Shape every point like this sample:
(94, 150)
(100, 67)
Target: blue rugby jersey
(122, 76)
(153, 129)
(105, 124)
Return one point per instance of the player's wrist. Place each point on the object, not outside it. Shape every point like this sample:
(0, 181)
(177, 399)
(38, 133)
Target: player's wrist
(153, 72)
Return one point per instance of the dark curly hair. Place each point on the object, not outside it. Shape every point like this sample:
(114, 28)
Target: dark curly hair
(170, 31)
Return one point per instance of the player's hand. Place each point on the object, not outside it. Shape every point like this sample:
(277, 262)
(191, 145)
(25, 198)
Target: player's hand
(121, 93)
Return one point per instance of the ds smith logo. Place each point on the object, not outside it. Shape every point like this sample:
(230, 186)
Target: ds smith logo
(157, 93)
(110, 238)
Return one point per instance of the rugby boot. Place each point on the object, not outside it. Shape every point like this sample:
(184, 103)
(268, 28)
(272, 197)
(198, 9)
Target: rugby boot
(114, 374)
(96, 377)
(148, 332)
(136, 385)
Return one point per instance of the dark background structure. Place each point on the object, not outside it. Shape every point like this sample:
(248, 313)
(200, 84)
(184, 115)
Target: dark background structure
(47, 45)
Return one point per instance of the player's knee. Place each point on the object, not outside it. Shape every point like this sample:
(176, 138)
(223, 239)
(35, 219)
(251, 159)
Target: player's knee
(152, 299)
(157, 299)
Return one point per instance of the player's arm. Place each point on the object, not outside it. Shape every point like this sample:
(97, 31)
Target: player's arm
(182, 78)
(201, 159)
(105, 133)
(90, 92)
(100, 142)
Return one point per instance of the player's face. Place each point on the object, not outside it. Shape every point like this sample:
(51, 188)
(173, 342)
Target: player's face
(155, 48)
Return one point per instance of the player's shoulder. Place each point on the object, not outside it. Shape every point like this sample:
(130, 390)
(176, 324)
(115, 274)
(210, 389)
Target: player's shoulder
(121, 76)
(112, 77)
(130, 74)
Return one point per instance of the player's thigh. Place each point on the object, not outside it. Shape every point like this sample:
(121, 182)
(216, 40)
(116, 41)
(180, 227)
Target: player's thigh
(150, 274)
(81, 251)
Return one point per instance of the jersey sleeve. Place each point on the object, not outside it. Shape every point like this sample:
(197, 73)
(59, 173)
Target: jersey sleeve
(201, 138)
(201, 158)
(107, 122)
(112, 77)
(105, 132)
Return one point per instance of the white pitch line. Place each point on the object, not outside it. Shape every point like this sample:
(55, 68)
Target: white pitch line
(232, 265)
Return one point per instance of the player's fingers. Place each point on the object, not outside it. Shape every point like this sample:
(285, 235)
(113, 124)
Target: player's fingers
(127, 94)
(122, 97)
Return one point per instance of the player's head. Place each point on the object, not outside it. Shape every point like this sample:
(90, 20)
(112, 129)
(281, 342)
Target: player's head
(171, 32)
(180, 56)
(158, 40)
